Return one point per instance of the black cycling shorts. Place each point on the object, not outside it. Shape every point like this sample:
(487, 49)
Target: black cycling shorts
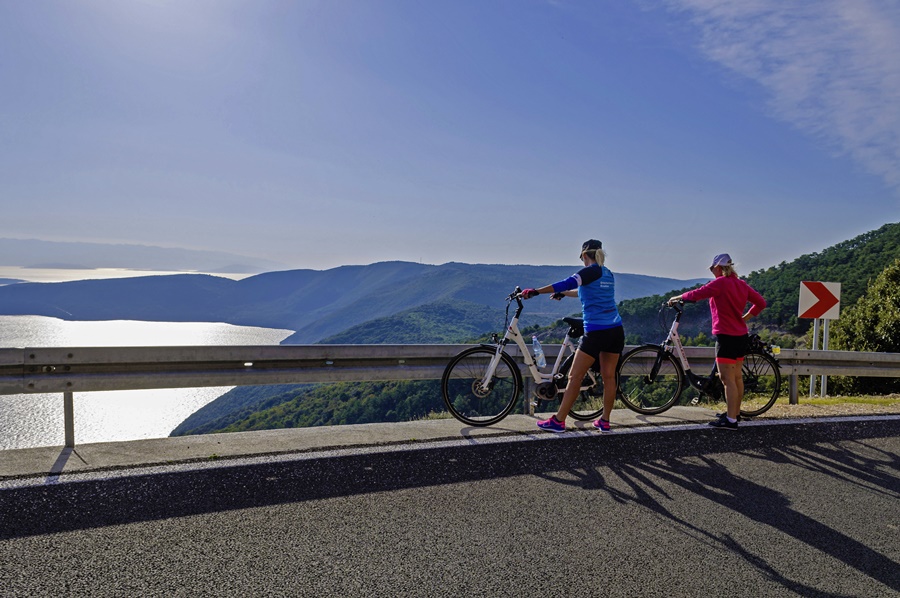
(610, 340)
(732, 349)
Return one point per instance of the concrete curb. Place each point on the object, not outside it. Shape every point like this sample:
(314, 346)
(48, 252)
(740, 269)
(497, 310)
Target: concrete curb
(54, 465)
(32, 506)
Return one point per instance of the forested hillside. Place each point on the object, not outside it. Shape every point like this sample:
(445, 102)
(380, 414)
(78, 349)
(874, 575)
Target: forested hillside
(442, 322)
(872, 324)
(854, 264)
(236, 405)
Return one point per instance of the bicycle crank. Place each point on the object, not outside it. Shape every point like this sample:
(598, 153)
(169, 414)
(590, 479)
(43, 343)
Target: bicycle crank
(546, 391)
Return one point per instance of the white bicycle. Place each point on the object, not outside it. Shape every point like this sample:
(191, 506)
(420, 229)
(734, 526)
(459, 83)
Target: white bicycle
(481, 385)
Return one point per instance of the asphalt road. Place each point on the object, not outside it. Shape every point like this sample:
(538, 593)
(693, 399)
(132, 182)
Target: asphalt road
(789, 510)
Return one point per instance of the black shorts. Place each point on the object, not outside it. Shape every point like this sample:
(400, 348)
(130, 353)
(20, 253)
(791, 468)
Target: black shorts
(610, 340)
(732, 349)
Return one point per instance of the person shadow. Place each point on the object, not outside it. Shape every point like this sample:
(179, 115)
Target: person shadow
(649, 485)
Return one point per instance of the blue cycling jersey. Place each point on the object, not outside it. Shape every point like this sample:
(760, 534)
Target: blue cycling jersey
(596, 289)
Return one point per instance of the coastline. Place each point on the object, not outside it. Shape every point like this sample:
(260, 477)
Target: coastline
(26, 274)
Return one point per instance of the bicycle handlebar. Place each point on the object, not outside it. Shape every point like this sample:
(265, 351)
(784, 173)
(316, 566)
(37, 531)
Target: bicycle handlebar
(677, 305)
(515, 295)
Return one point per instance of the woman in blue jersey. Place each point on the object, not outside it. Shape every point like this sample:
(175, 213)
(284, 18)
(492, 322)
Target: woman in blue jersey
(604, 337)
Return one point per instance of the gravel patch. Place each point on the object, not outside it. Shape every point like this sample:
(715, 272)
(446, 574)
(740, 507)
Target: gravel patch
(888, 405)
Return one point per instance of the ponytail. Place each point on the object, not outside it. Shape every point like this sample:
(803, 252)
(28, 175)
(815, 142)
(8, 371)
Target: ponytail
(729, 271)
(598, 255)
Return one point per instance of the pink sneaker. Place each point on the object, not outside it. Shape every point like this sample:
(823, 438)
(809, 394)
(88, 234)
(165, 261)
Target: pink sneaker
(602, 425)
(552, 424)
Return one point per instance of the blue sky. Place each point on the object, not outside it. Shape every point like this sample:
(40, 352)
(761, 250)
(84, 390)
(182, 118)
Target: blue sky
(349, 132)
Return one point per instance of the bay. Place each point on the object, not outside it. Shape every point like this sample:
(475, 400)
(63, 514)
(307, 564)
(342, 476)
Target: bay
(31, 420)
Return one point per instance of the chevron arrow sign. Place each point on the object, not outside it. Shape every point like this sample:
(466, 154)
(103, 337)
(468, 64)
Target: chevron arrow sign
(820, 300)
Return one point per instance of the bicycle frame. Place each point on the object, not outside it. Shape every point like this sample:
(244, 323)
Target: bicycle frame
(673, 345)
(653, 376)
(513, 334)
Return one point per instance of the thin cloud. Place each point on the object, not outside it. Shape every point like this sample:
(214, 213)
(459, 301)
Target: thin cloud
(831, 67)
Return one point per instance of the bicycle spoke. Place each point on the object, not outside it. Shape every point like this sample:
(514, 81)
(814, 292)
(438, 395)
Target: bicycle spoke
(471, 402)
(589, 403)
(762, 383)
(650, 380)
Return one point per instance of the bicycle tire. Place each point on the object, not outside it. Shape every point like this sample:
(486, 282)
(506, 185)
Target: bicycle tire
(650, 380)
(762, 383)
(589, 404)
(466, 401)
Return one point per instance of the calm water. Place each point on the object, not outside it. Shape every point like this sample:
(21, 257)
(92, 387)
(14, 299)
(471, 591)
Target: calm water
(37, 419)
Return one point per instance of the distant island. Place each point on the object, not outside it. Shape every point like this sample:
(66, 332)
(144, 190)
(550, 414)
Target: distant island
(39, 254)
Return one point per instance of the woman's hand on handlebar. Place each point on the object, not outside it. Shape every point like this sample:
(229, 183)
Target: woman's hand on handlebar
(529, 293)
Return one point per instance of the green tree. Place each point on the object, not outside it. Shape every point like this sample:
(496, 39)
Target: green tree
(872, 324)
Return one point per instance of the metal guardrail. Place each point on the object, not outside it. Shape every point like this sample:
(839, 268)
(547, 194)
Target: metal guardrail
(88, 369)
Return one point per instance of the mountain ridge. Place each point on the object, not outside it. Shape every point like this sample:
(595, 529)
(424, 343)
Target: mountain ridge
(855, 262)
(316, 304)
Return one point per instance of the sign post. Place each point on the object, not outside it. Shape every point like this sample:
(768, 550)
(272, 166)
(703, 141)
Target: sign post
(819, 301)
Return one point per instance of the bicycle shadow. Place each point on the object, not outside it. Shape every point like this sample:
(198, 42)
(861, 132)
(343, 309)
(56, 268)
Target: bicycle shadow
(841, 463)
(704, 477)
(109, 498)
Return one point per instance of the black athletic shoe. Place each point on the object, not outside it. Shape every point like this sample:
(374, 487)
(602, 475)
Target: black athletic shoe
(722, 422)
(725, 414)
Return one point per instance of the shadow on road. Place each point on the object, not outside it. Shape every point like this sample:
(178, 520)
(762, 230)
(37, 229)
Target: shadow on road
(679, 458)
(704, 477)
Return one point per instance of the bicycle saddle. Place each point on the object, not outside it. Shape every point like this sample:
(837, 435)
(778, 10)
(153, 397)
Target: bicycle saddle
(576, 327)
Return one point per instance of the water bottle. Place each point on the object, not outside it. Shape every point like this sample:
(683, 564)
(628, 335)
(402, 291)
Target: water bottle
(538, 352)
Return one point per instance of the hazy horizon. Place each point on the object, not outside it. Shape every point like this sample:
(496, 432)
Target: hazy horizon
(316, 134)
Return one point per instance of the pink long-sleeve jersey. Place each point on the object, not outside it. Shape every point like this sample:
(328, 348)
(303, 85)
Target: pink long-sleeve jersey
(728, 295)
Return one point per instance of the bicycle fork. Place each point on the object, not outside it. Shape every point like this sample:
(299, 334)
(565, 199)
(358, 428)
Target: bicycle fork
(672, 344)
(488, 379)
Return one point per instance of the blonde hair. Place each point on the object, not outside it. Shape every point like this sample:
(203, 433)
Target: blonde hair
(598, 255)
(729, 270)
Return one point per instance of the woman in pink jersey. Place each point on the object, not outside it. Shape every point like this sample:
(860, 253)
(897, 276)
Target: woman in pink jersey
(728, 296)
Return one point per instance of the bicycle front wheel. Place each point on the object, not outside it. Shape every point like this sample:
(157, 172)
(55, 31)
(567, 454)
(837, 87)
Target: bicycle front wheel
(762, 383)
(650, 380)
(468, 399)
(589, 403)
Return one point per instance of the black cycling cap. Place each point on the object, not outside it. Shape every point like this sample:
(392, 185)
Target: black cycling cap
(591, 244)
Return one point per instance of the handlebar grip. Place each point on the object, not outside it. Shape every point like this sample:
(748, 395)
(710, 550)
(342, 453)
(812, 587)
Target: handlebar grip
(676, 305)
(516, 294)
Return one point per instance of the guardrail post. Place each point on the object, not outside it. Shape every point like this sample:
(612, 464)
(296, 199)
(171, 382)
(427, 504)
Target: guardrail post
(529, 396)
(793, 389)
(69, 417)
(825, 348)
(815, 347)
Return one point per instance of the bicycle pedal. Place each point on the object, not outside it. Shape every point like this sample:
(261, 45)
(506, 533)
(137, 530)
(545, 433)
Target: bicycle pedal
(695, 400)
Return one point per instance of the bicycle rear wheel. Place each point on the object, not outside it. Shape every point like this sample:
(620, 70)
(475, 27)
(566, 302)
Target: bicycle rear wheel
(762, 383)
(589, 403)
(465, 397)
(650, 380)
